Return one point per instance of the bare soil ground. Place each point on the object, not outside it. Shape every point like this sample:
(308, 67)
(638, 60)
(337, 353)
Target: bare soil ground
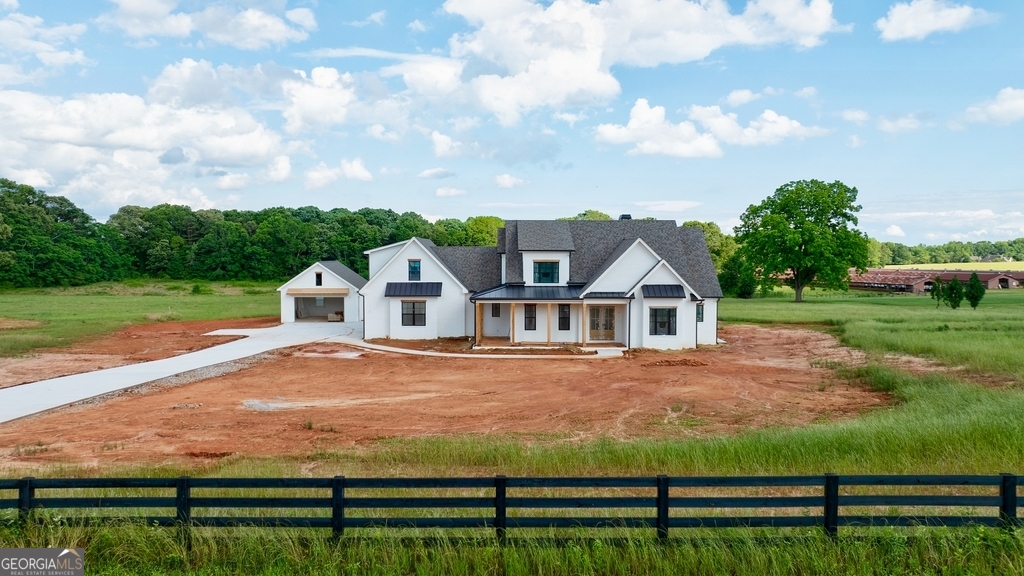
(140, 343)
(326, 397)
(465, 346)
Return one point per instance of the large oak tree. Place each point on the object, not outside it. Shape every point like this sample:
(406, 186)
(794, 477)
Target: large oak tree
(801, 235)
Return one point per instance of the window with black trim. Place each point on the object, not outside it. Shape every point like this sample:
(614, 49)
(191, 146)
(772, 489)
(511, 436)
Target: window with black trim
(319, 278)
(563, 316)
(700, 312)
(495, 310)
(530, 315)
(414, 270)
(414, 313)
(663, 321)
(545, 272)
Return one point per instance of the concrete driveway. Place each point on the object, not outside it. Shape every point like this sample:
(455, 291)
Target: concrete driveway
(27, 399)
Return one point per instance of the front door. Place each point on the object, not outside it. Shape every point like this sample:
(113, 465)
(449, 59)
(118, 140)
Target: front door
(602, 323)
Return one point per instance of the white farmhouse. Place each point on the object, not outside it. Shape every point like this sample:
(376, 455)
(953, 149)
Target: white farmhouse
(634, 283)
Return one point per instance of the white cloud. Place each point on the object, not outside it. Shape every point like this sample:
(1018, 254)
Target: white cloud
(894, 230)
(741, 97)
(807, 93)
(768, 128)
(321, 100)
(449, 192)
(416, 26)
(667, 205)
(355, 170)
(652, 134)
(248, 29)
(436, 173)
(445, 146)
(375, 18)
(463, 123)
(856, 141)
(509, 181)
(920, 18)
(232, 181)
(569, 118)
(854, 115)
(560, 54)
(280, 169)
(188, 83)
(33, 50)
(1008, 107)
(906, 123)
(303, 17)
(379, 132)
(9, 4)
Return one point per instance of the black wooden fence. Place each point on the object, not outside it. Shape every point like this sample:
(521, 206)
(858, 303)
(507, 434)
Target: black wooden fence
(341, 509)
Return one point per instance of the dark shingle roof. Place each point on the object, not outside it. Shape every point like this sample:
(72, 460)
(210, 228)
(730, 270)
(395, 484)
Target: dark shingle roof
(346, 273)
(595, 241)
(501, 240)
(544, 235)
(476, 267)
(619, 250)
(412, 289)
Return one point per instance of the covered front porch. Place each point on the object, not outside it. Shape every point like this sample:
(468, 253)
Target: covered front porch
(504, 323)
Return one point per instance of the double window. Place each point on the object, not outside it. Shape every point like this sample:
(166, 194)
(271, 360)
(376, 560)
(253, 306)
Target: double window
(563, 316)
(530, 315)
(545, 272)
(663, 321)
(414, 313)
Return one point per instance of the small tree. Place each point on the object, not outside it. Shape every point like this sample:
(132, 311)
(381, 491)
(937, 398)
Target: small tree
(938, 291)
(974, 291)
(954, 293)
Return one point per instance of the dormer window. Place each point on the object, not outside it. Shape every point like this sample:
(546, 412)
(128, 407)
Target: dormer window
(319, 278)
(414, 270)
(545, 272)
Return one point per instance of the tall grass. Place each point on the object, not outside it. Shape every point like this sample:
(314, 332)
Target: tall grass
(985, 340)
(71, 314)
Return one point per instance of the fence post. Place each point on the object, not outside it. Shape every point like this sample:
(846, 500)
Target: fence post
(831, 505)
(1008, 500)
(662, 503)
(25, 495)
(183, 518)
(338, 505)
(500, 507)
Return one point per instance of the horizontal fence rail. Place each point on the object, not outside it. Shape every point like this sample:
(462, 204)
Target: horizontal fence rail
(642, 502)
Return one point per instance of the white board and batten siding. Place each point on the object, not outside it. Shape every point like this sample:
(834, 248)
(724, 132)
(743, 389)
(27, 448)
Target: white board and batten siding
(686, 316)
(446, 314)
(627, 270)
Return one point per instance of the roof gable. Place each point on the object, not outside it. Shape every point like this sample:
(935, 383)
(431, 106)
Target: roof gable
(427, 247)
(625, 253)
(336, 269)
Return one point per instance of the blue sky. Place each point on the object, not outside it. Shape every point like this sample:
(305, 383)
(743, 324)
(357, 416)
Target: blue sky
(676, 109)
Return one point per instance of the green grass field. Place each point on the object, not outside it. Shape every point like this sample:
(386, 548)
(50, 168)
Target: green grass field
(938, 423)
(979, 266)
(70, 314)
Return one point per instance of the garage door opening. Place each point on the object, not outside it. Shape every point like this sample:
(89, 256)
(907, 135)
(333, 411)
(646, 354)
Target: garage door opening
(322, 309)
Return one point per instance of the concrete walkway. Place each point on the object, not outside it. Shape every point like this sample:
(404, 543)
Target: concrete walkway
(27, 399)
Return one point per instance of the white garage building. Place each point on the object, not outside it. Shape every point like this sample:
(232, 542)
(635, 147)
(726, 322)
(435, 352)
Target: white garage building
(324, 289)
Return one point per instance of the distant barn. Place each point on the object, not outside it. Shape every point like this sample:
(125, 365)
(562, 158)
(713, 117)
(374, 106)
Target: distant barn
(914, 281)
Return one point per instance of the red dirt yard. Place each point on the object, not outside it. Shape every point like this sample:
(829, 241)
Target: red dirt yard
(327, 397)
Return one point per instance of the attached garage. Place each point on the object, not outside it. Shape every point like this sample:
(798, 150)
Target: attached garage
(326, 291)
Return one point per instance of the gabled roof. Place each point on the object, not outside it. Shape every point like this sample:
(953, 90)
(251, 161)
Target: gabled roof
(429, 247)
(544, 235)
(594, 242)
(612, 259)
(344, 272)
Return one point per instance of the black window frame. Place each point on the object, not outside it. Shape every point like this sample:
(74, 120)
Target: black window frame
(495, 310)
(700, 312)
(669, 321)
(529, 316)
(414, 275)
(414, 312)
(552, 269)
(319, 281)
(563, 316)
